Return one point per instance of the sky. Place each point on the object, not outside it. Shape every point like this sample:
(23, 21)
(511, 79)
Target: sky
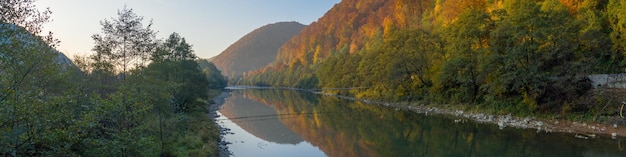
(209, 25)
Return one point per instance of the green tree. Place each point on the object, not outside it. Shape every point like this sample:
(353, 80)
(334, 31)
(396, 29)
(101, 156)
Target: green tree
(124, 42)
(175, 48)
(124, 103)
(532, 50)
(34, 119)
(595, 41)
(466, 44)
(213, 75)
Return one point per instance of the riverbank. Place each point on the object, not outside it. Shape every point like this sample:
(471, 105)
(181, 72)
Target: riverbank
(218, 101)
(582, 130)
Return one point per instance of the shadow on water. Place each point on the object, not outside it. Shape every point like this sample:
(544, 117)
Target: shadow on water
(347, 128)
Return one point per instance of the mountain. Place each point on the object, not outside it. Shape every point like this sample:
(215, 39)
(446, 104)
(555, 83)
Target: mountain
(63, 59)
(523, 52)
(350, 26)
(256, 49)
(252, 115)
(12, 33)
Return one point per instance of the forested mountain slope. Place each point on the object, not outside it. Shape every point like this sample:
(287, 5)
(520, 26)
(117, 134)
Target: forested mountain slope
(525, 55)
(256, 49)
(14, 34)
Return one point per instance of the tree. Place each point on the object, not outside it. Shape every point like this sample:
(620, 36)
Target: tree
(616, 12)
(595, 41)
(213, 75)
(174, 62)
(533, 48)
(466, 43)
(124, 104)
(37, 117)
(175, 48)
(22, 13)
(125, 42)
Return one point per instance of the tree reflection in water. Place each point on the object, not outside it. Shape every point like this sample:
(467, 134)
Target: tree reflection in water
(347, 128)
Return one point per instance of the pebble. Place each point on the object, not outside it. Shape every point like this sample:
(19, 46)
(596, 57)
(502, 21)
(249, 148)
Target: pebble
(581, 137)
(501, 125)
(526, 120)
(614, 135)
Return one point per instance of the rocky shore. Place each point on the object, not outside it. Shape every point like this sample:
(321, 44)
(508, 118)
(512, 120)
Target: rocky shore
(578, 129)
(218, 102)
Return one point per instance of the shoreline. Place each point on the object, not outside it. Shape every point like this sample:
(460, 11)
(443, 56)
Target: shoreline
(213, 108)
(578, 129)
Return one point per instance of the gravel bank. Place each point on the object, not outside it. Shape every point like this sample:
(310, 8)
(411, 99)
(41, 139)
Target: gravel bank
(578, 129)
(218, 102)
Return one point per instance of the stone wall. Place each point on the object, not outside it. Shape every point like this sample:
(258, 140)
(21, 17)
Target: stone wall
(608, 80)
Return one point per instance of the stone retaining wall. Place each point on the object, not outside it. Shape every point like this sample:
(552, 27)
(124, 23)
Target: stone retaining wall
(608, 80)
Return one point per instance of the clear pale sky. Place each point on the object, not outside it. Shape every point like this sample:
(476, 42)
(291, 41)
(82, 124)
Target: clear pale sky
(209, 25)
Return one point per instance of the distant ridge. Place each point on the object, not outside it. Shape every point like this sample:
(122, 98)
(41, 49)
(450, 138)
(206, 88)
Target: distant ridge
(256, 49)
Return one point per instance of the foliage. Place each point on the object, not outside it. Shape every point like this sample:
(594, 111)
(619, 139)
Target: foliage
(112, 103)
(515, 56)
(215, 77)
(125, 41)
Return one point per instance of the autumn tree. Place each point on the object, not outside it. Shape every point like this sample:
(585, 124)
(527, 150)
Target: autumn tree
(462, 74)
(616, 12)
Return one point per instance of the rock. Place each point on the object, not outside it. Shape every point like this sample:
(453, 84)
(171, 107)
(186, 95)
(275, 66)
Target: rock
(581, 137)
(526, 120)
(615, 126)
(613, 134)
(592, 135)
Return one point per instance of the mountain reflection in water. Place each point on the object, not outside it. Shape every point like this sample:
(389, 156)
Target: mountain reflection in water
(346, 128)
(258, 119)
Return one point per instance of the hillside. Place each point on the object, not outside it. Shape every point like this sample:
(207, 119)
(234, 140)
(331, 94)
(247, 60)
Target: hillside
(520, 56)
(12, 33)
(350, 26)
(256, 49)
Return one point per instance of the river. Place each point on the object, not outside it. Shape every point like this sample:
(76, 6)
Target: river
(274, 122)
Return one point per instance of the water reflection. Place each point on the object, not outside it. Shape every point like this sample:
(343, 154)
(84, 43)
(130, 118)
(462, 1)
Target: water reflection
(346, 128)
(257, 119)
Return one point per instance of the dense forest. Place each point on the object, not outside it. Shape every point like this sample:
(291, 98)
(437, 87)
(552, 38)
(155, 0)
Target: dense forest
(511, 56)
(256, 49)
(137, 96)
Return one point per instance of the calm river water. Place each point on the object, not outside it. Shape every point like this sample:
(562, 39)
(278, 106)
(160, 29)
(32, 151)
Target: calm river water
(272, 122)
